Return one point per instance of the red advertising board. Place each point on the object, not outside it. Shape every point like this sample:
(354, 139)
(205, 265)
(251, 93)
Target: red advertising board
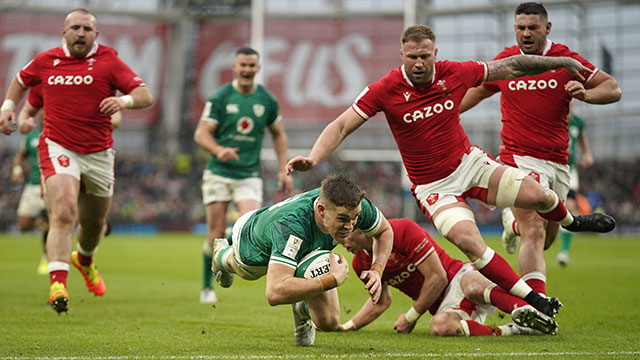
(315, 67)
(143, 45)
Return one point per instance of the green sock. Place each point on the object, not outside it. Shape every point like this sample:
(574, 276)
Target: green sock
(566, 240)
(207, 274)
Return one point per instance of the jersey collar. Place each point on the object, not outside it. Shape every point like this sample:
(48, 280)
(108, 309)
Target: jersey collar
(547, 47)
(406, 78)
(234, 82)
(93, 50)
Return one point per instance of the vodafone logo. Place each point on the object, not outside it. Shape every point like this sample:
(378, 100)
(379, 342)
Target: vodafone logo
(63, 160)
(541, 84)
(427, 111)
(70, 80)
(432, 198)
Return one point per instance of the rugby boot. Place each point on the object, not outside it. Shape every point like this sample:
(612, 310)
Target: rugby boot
(59, 297)
(304, 332)
(596, 222)
(92, 277)
(528, 316)
(510, 240)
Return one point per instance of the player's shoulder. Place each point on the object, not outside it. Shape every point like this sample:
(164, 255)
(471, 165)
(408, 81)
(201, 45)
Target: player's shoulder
(391, 78)
(55, 52)
(104, 50)
(222, 92)
(263, 92)
(508, 51)
(558, 49)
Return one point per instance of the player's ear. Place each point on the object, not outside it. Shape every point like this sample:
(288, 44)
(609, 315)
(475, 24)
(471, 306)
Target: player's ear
(435, 52)
(548, 27)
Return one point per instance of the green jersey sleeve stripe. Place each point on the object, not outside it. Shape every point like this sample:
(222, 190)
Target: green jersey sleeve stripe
(376, 224)
(283, 261)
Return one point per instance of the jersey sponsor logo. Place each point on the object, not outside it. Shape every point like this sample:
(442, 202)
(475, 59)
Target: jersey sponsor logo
(70, 80)
(63, 160)
(541, 84)
(406, 95)
(535, 176)
(432, 198)
(292, 247)
(233, 108)
(245, 125)
(258, 109)
(402, 276)
(428, 111)
(56, 62)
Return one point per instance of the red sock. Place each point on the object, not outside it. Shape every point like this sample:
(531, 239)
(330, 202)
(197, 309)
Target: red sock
(537, 285)
(558, 214)
(477, 329)
(84, 260)
(504, 301)
(59, 276)
(500, 272)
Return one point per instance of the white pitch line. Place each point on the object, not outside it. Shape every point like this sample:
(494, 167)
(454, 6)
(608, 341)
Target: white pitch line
(326, 356)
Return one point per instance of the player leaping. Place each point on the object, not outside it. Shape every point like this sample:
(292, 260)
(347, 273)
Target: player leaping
(421, 102)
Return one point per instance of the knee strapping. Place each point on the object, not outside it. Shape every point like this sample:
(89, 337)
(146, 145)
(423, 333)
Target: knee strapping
(446, 219)
(482, 261)
(509, 186)
(487, 293)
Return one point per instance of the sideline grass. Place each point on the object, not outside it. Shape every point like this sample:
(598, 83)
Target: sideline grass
(151, 310)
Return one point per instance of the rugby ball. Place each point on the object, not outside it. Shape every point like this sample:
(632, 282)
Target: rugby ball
(315, 264)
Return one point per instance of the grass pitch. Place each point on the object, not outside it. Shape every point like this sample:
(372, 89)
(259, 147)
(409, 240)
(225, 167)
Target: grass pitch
(151, 310)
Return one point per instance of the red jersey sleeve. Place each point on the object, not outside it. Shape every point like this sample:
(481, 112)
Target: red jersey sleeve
(35, 97)
(123, 78)
(28, 76)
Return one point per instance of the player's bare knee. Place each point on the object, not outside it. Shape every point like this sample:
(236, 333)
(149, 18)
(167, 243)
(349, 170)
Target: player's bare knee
(329, 323)
(443, 325)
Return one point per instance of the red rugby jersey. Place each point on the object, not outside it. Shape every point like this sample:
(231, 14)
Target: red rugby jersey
(534, 109)
(425, 120)
(72, 89)
(411, 245)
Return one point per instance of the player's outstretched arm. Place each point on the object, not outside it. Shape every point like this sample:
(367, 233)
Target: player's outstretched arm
(284, 288)
(435, 281)
(473, 97)
(602, 88)
(329, 140)
(281, 146)
(14, 94)
(381, 248)
(522, 65)
(369, 311)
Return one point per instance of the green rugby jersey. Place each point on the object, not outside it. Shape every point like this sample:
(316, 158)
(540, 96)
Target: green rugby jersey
(241, 121)
(30, 145)
(576, 126)
(287, 231)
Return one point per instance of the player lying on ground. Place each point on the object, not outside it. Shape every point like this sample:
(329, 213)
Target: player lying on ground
(273, 240)
(458, 296)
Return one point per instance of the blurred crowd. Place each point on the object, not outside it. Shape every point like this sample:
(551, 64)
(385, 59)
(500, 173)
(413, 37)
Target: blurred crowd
(154, 189)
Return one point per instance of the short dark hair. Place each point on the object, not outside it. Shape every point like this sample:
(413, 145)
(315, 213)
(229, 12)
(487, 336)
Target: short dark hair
(341, 190)
(245, 50)
(83, 11)
(532, 8)
(417, 33)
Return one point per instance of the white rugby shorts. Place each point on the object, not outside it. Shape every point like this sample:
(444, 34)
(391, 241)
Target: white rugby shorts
(217, 188)
(454, 295)
(31, 201)
(549, 174)
(95, 171)
(470, 179)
